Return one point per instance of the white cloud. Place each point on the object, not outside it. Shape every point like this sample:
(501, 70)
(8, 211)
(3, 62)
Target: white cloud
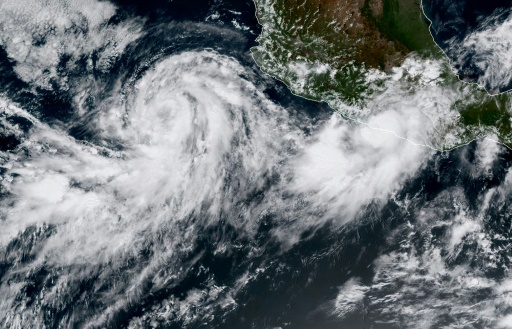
(462, 227)
(191, 123)
(505, 322)
(446, 291)
(487, 152)
(349, 299)
(198, 139)
(348, 166)
(36, 34)
(491, 51)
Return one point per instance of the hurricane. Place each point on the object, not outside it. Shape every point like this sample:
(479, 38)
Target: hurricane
(152, 176)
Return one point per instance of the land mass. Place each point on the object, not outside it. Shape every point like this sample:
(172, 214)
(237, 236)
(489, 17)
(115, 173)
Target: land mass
(357, 54)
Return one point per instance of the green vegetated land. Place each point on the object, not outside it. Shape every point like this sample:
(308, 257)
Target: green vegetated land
(324, 50)
(488, 111)
(403, 20)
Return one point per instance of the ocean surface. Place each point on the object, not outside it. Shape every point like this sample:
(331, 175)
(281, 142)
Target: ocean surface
(154, 177)
(475, 37)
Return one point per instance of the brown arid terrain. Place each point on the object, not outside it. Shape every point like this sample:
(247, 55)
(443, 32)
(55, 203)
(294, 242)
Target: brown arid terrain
(376, 33)
(354, 23)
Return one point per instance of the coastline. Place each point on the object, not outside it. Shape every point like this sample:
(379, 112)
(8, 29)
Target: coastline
(366, 123)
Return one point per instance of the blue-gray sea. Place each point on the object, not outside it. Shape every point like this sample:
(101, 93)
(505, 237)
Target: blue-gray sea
(154, 177)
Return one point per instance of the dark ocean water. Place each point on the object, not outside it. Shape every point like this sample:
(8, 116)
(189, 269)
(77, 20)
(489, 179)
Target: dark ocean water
(454, 21)
(275, 286)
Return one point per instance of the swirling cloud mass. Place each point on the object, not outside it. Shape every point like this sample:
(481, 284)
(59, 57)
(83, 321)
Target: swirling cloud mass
(189, 179)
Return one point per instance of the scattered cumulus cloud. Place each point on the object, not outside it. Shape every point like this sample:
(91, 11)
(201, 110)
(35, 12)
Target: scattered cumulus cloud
(37, 35)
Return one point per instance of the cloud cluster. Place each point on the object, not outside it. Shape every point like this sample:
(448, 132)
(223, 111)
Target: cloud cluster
(197, 140)
(348, 167)
(40, 36)
(193, 143)
(449, 268)
(485, 54)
